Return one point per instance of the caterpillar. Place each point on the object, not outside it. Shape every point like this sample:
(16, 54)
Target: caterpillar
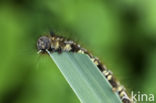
(53, 43)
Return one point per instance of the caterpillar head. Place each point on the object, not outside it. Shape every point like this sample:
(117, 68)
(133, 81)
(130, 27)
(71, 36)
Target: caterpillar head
(43, 44)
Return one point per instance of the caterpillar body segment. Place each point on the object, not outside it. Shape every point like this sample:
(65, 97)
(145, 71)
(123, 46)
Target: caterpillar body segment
(53, 43)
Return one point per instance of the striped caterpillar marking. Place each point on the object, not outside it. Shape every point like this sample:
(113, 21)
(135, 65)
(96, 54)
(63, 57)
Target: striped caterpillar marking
(59, 44)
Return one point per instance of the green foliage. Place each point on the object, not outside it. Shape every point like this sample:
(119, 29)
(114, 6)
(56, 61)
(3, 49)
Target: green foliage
(120, 32)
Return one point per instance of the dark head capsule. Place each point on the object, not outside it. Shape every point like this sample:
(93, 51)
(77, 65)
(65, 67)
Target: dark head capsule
(43, 43)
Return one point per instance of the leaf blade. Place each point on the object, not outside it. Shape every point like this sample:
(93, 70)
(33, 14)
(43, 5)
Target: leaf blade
(85, 79)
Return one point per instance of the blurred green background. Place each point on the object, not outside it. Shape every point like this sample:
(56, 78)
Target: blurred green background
(121, 32)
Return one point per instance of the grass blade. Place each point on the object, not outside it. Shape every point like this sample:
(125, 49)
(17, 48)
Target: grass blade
(85, 79)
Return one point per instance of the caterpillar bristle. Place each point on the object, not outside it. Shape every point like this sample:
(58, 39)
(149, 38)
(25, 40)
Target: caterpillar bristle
(53, 43)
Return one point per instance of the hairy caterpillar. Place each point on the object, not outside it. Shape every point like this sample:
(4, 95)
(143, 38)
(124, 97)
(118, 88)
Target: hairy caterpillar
(54, 43)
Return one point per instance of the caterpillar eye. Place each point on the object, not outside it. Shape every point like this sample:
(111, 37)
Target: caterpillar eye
(43, 44)
(53, 43)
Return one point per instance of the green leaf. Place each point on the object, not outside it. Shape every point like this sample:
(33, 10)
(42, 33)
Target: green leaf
(85, 79)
